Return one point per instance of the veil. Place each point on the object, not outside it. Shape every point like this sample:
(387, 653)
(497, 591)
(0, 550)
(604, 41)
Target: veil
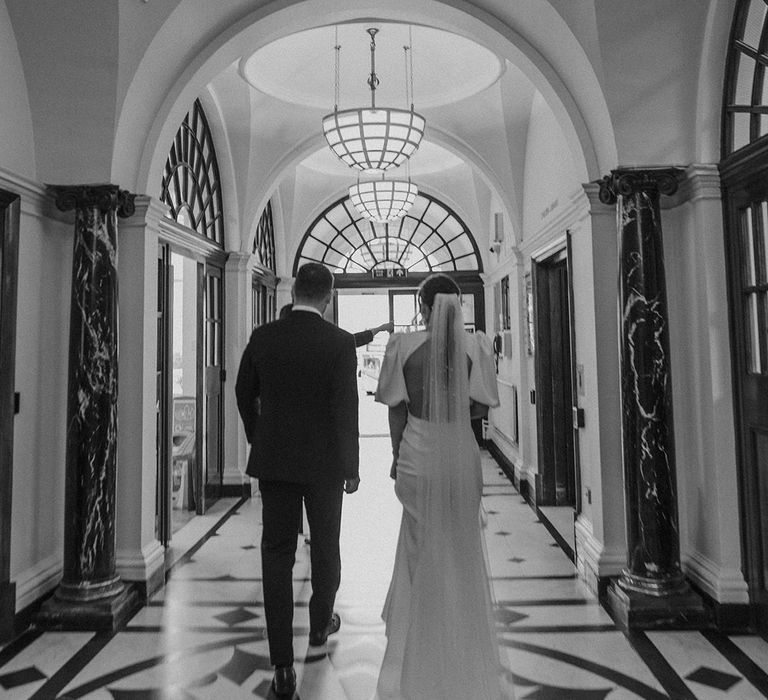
(451, 613)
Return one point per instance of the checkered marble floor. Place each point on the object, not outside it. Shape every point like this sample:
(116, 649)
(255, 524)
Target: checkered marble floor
(203, 635)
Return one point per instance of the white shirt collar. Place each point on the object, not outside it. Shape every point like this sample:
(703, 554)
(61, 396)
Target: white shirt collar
(311, 309)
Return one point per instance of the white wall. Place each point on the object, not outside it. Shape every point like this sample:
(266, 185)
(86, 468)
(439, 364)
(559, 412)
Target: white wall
(700, 368)
(42, 355)
(550, 177)
(16, 139)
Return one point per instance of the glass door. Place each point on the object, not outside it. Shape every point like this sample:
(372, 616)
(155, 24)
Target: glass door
(404, 310)
(213, 469)
(186, 435)
(748, 249)
(163, 528)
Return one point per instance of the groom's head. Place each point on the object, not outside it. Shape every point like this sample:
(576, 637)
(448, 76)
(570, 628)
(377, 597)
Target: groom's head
(313, 286)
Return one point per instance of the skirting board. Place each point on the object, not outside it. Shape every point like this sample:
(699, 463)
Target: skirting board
(37, 581)
(722, 585)
(594, 563)
(145, 568)
(523, 480)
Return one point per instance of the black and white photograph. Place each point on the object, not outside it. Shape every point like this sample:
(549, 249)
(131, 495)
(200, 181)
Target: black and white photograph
(383, 349)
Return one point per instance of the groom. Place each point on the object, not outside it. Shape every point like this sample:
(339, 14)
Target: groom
(297, 396)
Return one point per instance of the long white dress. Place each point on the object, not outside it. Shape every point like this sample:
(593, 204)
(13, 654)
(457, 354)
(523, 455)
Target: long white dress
(441, 639)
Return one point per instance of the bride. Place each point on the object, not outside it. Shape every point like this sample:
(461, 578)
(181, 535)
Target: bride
(441, 639)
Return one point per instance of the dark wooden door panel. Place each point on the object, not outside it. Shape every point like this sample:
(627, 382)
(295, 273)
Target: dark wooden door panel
(747, 247)
(554, 384)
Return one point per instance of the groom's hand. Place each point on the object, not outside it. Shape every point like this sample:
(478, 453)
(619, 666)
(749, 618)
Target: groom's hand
(350, 485)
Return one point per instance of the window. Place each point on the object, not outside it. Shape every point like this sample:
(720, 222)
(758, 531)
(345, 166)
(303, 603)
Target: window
(745, 111)
(506, 318)
(264, 240)
(429, 238)
(191, 186)
(754, 262)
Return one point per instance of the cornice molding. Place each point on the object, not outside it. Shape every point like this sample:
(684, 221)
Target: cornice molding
(35, 199)
(700, 181)
(237, 261)
(553, 232)
(191, 241)
(148, 211)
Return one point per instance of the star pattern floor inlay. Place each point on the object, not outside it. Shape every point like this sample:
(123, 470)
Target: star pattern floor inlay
(202, 637)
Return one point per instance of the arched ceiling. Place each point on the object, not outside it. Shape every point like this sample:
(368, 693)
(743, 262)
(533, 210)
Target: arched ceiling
(486, 69)
(199, 58)
(299, 68)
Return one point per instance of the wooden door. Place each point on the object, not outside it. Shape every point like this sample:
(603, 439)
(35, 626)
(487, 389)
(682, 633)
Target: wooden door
(554, 399)
(9, 247)
(747, 245)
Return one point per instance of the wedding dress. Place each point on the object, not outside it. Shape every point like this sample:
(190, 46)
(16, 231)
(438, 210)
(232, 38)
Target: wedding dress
(441, 639)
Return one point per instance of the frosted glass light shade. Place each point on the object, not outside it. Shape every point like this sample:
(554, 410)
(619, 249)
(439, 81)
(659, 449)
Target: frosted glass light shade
(373, 139)
(382, 201)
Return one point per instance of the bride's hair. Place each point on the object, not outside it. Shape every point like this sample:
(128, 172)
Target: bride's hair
(438, 283)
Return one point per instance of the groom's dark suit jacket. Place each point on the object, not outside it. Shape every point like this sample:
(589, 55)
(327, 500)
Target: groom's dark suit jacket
(297, 396)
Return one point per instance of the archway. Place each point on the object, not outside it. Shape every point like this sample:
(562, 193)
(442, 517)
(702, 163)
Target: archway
(167, 80)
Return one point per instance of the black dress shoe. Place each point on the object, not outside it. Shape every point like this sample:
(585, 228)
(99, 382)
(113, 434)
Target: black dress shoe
(284, 682)
(317, 639)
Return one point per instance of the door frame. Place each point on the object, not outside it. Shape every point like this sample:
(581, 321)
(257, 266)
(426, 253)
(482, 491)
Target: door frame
(469, 283)
(737, 172)
(203, 251)
(10, 216)
(546, 478)
(213, 490)
(164, 388)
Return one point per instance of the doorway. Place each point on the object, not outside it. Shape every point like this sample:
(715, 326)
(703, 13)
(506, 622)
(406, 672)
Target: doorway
(186, 435)
(554, 395)
(187, 356)
(747, 248)
(10, 209)
(212, 473)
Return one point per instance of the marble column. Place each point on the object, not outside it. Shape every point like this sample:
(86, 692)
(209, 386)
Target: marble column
(651, 591)
(91, 594)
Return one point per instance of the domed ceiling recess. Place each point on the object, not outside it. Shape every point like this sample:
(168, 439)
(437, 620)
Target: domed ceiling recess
(299, 69)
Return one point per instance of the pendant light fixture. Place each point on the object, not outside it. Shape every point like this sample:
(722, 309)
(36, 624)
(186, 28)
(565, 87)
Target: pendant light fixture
(383, 201)
(373, 138)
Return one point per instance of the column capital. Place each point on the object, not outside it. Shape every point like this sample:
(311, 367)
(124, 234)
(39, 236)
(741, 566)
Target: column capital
(628, 181)
(106, 197)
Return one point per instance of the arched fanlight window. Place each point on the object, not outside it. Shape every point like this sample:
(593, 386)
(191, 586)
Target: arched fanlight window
(264, 240)
(745, 111)
(429, 238)
(191, 184)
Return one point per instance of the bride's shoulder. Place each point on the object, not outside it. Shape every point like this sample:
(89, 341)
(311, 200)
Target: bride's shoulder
(409, 339)
(479, 342)
(402, 345)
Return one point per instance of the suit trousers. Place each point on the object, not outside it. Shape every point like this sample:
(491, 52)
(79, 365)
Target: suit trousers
(281, 516)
